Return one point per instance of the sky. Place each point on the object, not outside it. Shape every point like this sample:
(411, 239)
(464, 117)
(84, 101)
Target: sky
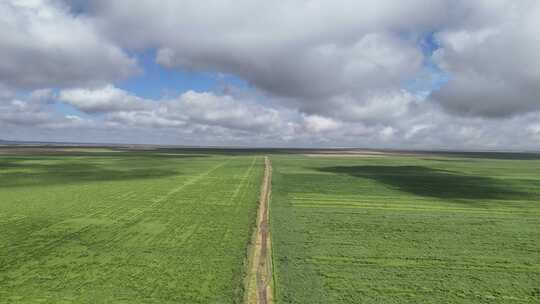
(418, 74)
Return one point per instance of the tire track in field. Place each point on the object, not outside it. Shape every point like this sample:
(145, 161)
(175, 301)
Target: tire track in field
(38, 250)
(260, 266)
(237, 194)
(160, 199)
(133, 215)
(243, 183)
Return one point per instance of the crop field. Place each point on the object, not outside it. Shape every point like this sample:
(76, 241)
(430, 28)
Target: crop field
(104, 226)
(101, 225)
(406, 229)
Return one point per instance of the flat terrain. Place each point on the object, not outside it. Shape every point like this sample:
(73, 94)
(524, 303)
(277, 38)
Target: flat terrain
(116, 226)
(152, 225)
(406, 229)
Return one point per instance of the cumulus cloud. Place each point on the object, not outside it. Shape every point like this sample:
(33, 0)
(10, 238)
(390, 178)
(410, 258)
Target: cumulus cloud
(317, 124)
(316, 53)
(203, 118)
(415, 74)
(143, 119)
(321, 53)
(100, 100)
(19, 112)
(43, 44)
(226, 111)
(493, 58)
(376, 108)
(201, 108)
(373, 61)
(34, 110)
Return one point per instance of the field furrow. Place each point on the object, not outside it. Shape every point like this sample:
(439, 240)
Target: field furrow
(405, 230)
(137, 228)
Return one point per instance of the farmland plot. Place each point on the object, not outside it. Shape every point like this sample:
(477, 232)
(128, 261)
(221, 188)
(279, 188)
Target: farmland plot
(406, 230)
(127, 227)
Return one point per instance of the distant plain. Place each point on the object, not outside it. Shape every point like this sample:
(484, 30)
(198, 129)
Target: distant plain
(154, 225)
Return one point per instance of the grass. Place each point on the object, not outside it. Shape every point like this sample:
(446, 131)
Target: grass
(439, 229)
(133, 227)
(110, 225)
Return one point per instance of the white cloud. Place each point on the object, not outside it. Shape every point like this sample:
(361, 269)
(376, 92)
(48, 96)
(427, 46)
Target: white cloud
(43, 45)
(387, 133)
(204, 118)
(19, 112)
(333, 73)
(105, 99)
(226, 111)
(201, 108)
(318, 124)
(142, 119)
(493, 58)
(316, 53)
(35, 111)
(322, 52)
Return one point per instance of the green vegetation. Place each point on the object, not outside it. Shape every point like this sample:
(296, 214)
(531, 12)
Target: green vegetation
(422, 229)
(102, 225)
(161, 226)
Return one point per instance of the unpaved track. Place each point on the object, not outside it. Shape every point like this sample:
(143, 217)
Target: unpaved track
(259, 281)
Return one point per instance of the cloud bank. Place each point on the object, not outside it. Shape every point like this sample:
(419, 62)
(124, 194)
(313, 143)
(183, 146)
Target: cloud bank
(421, 74)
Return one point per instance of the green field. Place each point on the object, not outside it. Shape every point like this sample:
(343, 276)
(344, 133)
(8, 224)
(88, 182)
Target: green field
(96, 226)
(423, 229)
(100, 225)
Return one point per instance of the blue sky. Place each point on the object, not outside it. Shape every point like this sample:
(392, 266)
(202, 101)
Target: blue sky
(431, 78)
(156, 81)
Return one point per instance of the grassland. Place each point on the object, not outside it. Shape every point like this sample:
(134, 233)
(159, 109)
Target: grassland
(416, 229)
(95, 225)
(100, 226)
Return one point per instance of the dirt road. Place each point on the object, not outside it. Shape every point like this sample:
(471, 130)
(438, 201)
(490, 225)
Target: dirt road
(259, 281)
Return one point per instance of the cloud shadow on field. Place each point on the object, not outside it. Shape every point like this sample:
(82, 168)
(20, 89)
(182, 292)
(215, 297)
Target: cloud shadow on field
(72, 173)
(429, 182)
